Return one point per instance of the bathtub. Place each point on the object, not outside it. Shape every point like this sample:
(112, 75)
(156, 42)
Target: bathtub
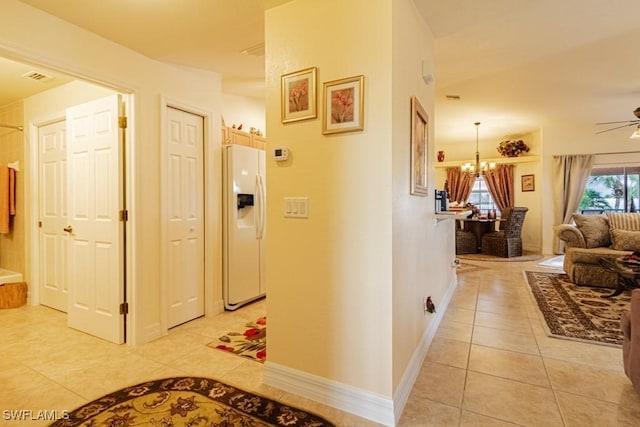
(8, 276)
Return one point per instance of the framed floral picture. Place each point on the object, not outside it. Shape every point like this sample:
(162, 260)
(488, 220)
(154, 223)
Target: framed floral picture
(419, 136)
(528, 182)
(343, 105)
(299, 95)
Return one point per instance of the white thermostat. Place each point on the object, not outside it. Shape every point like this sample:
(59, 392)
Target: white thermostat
(280, 153)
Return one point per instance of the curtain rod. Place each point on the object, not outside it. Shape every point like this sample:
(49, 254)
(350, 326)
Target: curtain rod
(11, 127)
(598, 154)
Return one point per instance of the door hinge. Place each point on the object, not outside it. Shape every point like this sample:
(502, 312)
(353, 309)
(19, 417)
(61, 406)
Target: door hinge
(39, 224)
(124, 308)
(124, 215)
(122, 122)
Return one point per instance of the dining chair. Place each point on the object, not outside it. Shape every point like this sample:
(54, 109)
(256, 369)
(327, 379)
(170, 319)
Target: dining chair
(507, 242)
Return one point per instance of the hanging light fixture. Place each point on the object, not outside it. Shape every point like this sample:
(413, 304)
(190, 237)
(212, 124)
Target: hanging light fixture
(479, 168)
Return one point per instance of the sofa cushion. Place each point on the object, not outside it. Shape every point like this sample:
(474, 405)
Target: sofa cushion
(624, 220)
(625, 240)
(592, 256)
(594, 228)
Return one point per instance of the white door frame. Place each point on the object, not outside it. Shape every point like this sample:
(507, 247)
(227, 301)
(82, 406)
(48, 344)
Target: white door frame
(32, 214)
(211, 232)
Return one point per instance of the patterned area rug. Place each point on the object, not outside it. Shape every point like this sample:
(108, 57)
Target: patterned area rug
(578, 312)
(250, 343)
(187, 401)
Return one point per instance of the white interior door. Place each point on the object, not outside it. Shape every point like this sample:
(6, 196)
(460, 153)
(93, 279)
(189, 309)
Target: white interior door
(52, 163)
(95, 264)
(185, 193)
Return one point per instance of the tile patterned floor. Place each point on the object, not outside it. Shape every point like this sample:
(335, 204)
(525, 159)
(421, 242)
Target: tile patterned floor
(490, 364)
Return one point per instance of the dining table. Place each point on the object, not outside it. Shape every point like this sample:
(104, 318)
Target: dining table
(479, 226)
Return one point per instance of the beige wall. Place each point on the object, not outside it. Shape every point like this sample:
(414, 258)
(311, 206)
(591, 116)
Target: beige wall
(74, 50)
(346, 285)
(12, 245)
(244, 110)
(423, 249)
(329, 276)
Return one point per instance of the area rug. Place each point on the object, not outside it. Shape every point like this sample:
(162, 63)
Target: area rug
(577, 312)
(555, 262)
(250, 342)
(483, 257)
(187, 401)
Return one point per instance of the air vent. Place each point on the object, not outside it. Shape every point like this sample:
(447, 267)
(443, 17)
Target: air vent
(453, 97)
(257, 50)
(37, 76)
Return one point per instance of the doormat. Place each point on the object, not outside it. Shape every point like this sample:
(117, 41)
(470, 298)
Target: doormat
(578, 312)
(250, 343)
(555, 262)
(187, 401)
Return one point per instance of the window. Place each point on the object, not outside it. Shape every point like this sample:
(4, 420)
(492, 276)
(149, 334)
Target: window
(611, 189)
(481, 198)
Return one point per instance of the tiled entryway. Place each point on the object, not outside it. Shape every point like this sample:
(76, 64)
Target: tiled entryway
(490, 364)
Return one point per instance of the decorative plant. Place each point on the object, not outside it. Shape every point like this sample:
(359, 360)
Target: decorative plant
(512, 148)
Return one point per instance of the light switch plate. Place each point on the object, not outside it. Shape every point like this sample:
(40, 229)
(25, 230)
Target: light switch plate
(296, 207)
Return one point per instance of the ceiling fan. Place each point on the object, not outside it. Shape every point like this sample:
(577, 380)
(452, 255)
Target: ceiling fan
(626, 123)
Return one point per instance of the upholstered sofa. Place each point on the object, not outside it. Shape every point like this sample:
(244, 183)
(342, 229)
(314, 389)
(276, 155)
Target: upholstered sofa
(593, 237)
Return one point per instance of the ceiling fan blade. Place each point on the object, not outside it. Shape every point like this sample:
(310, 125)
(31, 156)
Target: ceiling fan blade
(623, 121)
(617, 127)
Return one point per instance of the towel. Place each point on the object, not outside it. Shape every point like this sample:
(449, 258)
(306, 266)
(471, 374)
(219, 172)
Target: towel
(12, 191)
(4, 199)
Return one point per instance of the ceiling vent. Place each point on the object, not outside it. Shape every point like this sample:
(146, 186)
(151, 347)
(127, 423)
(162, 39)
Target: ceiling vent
(257, 50)
(37, 76)
(453, 97)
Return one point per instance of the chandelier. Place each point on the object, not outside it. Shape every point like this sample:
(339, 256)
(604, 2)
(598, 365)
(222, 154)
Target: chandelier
(479, 168)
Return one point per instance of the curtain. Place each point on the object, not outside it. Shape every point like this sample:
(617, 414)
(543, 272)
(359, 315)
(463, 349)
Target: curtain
(500, 186)
(570, 175)
(460, 185)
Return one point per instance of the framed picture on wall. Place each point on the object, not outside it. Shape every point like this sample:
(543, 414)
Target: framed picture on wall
(528, 182)
(298, 95)
(419, 143)
(343, 105)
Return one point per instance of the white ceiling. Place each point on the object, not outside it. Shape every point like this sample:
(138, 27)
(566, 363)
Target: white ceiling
(517, 65)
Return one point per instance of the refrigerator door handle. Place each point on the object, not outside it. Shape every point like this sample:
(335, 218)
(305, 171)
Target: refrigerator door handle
(261, 208)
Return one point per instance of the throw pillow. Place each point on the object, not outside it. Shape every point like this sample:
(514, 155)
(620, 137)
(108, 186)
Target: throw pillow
(594, 228)
(625, 240)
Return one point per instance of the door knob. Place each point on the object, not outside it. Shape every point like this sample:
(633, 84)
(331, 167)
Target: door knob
(68, 229)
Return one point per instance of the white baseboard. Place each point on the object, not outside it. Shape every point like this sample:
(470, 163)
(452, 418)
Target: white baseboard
(341, 396)
(401, 395)
(351, 399)
(149, 333)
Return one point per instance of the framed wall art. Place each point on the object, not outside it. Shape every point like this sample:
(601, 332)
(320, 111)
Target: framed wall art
(343, 105)
(419, 145)
(528, 182)
(298, 95)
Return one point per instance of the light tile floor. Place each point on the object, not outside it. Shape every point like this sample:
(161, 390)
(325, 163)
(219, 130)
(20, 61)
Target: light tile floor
(490, 364)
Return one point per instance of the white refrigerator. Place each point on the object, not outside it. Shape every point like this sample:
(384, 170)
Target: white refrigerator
(244, 228)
